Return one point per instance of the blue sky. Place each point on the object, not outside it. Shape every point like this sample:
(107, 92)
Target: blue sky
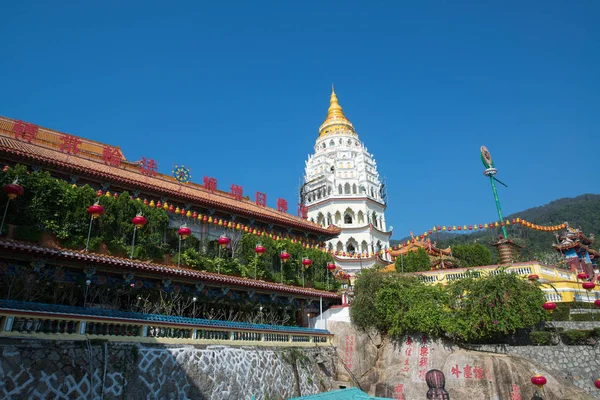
(237, 91)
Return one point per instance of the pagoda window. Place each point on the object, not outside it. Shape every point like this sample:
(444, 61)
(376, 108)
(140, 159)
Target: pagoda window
(331, 143)
(347, 188)
(348, 219)
(349, 142)
(323, 145)
(329, 219)
(364, 247)
(372, 193)
(354, 189)
(329, 190)
(330, 246)
(361, 217)
(350, 247)
(321, 219)
(341, 141)
(340, 189)
(375, 220)
(338, 218)
(339, 246)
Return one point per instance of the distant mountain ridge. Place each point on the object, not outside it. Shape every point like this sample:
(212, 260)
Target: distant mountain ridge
(580, 212)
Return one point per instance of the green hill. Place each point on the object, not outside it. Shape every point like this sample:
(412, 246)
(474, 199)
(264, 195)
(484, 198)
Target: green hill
(580, 212)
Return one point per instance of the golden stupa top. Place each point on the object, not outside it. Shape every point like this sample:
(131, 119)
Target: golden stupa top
(336, 121)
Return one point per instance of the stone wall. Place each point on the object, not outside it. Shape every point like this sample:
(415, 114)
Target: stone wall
(581, 325)
(396, 369)
(37, 369)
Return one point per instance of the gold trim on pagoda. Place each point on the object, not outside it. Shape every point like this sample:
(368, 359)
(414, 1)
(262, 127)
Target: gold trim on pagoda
(336, 121)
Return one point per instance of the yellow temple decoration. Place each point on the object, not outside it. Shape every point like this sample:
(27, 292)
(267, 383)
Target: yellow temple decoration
(336, 121)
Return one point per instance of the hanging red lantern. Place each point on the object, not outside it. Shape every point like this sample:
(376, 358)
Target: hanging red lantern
(99, 193)
(588, 285)
(145, 202)
(597, 383)
(514, 221)
(480, 226)
(306, 262)
(159, 204)
(13, 190)
(597, 302)
(224, 241)
(139, 221)
(549, 306)
(583, 276)
(260, 250)
(533, 277)
(95, 210)
(184, 232)
(171, 208)
(538, 380)
(284, 256)
(430, 232)
(331, 266)
(470, 227)
(459, 227)
(195, 215)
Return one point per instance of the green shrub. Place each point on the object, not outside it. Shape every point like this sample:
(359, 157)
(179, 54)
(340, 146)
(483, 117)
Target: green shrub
(595, 333)
(581, 317)
(27, 233)
(541, 338)
(574, 337)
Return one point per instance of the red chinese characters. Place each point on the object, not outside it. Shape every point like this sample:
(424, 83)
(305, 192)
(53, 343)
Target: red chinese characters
(302, 211)
(261, 199)
(478, 372)
(282, 205)
(25, 131)
(70, 144)
(399, 392)
(468, 372)
(148, 166)
(456, 371)
(349, 351)
(209, 183)
(515, 393)
(111, 156)
(237, 192)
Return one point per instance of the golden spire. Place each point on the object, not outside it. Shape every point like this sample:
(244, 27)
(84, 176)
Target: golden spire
(335, 121)
(335, 110)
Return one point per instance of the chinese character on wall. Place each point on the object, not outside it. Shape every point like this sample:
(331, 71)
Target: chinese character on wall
(282, 205)
(70, 144)
(148, 166)
(24, 130)
(111, 156)
(261, 199)
(210, 183)
(237, 192)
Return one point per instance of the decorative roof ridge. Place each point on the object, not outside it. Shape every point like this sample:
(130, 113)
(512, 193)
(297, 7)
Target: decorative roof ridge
(190, 273)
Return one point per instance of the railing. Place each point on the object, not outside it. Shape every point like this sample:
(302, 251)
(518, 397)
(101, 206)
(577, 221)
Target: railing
(54, 322)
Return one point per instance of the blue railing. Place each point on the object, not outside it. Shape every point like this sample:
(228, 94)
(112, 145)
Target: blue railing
(193, 322)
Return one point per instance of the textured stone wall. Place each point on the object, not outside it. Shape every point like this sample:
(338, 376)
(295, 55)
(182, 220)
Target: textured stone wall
(396, 369)
(34, 369)
(581, 325)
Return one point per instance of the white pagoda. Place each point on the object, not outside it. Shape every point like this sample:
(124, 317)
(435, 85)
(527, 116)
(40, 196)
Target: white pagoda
(342, 187)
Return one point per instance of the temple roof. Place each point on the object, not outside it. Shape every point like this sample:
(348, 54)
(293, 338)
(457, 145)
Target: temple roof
(44, 150)
(429, 247)
(17, 247)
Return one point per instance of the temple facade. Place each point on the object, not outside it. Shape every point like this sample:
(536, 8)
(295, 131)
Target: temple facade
(342, 188)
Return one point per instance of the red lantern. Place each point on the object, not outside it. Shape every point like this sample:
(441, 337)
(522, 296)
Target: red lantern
(195, 215)
(597, 302)
(514, 221)
(533, 277)
(99, 193)
(139, 221)
(306, 262)
(597, 383)
(13, 190)
(95, 210)
(224, 241)
(459, 227)
(260, 250)
(549, 306)
(582, 276)
(159, 204)
(470, 227)
(184, 232)
(284, 256)
(538, 380)
(430, 231)
(480, 226)
(145, 202)
(331, 267)
(588, 285)
(171, 208)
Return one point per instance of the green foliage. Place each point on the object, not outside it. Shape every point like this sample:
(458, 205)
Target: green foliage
(470, 309)
(27, 233)
(364, 313)
(413, 262)
(541, 338)
(494, 305)
(574, 337)
(472, 255)
(563, 312)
